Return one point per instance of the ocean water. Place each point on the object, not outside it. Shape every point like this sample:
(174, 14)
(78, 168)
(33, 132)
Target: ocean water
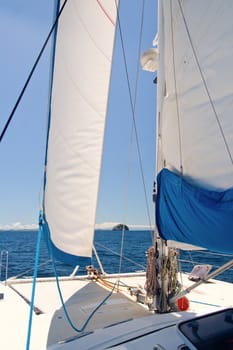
(21, 248)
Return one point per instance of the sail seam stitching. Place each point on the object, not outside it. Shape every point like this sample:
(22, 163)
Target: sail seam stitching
(174, 75)
(105, 12)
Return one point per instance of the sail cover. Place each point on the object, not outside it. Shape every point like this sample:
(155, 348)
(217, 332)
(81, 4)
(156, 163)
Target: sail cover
(195, 128)
(81, 74)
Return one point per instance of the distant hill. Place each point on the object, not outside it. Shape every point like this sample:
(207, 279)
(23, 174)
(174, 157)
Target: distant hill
(120, 227)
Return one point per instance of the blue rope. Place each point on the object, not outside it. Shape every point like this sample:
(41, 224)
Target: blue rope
(203, 303)
(34, 282)
(63, 303)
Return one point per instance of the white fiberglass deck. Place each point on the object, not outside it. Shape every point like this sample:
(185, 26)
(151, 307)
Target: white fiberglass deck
(50, 326)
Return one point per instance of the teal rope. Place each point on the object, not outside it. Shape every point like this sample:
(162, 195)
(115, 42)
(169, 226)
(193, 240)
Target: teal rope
(203, 303)
(34, 282)
(63, 303)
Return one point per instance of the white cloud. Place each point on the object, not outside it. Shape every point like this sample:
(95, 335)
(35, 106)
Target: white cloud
(106, 225)
(141, 227)
(18, 226)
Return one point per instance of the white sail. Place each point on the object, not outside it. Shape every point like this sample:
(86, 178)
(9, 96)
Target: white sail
(195, 130)
(195, 99)
(82, 68)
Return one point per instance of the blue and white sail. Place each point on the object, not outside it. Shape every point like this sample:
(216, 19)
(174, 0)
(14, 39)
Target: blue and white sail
(83, 52)
(195, 123)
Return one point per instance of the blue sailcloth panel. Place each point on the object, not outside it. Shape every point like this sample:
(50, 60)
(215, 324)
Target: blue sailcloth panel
(193, 215)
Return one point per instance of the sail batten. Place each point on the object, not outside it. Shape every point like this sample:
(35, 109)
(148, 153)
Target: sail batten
(81, 78)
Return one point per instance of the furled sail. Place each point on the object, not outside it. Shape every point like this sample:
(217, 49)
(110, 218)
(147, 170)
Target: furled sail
(195, 128)
(83, 52)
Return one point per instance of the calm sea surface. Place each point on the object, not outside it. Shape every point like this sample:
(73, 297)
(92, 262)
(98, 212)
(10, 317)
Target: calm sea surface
(21, 247)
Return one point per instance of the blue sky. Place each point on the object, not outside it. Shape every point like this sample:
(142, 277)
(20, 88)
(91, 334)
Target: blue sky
(24, 26)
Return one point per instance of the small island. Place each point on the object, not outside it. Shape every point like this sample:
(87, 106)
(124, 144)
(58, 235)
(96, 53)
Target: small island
(120, 227)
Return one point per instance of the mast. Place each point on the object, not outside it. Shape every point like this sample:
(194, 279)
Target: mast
(162, 283)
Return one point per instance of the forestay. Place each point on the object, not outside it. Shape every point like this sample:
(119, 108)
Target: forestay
(81, 73)
(195, 129)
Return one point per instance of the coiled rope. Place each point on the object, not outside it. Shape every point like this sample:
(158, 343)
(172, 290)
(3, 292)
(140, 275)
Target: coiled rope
(150, 285)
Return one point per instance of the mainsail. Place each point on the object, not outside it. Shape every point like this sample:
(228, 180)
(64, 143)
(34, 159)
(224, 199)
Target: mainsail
(195, 129)
(83, 52)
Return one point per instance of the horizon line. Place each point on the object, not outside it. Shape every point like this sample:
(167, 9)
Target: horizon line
(103, 226)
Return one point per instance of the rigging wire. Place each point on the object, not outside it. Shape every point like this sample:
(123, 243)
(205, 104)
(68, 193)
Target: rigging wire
(123, 257)
(29, 270)
(31, 72)
(194, 262)
(133, 107)
(40, 229)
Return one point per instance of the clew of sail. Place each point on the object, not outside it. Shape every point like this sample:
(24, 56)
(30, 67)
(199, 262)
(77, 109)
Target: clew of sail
(81, 74)
(195, 129)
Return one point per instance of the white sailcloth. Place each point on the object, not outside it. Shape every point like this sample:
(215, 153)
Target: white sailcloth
(195, 100)
(82, 68)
